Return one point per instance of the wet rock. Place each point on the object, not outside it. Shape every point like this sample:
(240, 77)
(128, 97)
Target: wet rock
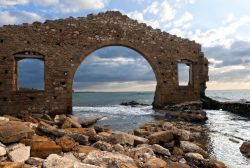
(190, 116)
(187, 146)
(43, 149)
(245, 148)
(14, 131)
(34, 161)
(234, 140)
(155, 163)
(133, 104)
(104, 146)
(121, 138)
(217, 164)
(67, 143)
(160, 137)
(183, 135)
(20, 154)
(85, 149)
(56, 161)
(103, 158)
(160, 150)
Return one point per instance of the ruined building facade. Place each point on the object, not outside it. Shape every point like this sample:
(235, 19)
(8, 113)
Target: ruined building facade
(63, 44)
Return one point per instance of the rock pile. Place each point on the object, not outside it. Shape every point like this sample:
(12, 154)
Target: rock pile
(63, 142)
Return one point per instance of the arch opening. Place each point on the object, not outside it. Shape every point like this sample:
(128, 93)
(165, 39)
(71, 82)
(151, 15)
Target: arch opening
(119, 70)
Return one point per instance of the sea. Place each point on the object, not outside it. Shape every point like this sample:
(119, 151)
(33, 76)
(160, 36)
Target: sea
(222, 125)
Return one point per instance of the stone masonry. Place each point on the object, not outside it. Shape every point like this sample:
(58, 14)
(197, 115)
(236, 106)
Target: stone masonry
(63, 44)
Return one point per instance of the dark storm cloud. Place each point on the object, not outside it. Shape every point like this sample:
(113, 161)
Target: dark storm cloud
(237, 54)
(229, 64)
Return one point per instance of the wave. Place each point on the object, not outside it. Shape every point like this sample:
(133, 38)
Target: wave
(115, 110)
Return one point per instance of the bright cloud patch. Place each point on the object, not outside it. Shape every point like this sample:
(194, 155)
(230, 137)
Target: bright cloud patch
(13, 2)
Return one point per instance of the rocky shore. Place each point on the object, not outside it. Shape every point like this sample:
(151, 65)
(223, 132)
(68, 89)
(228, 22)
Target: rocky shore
(64, 141)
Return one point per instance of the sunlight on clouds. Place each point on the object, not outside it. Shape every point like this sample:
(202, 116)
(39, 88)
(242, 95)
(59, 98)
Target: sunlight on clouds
(69, 6)
(13, 2)
(134, 86)
(46, 2)
(214, 85)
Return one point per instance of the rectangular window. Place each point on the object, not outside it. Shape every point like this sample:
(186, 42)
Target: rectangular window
(184, 74)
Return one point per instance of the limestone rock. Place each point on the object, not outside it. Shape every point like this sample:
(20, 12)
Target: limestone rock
(141, 132)
(196, 156)
(56, 161)
(121, 138)
(178, 165)
(141, 154)
(187, 146)
(20, 154)
(99, 128)
(139, 140)
(90, 132)
(104, 146)
(88, 122)
(118, 148)
(2, 119)
(104, 158)
(43, 149)
(160, 137)
(155, 163)
(11, 165)
(67, 143)
(103, 136)
(34, 161)
(217, 164)
(14, 131)
(85, 149)
(245, 148)
(161, 150)
(2, 151)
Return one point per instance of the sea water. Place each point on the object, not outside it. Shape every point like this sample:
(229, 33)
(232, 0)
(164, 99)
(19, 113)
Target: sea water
(222, 125)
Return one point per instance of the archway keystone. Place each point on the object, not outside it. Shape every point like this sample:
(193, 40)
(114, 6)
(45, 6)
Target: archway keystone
(65, 43)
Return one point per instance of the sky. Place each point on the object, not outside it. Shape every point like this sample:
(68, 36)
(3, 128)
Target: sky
(221, 26)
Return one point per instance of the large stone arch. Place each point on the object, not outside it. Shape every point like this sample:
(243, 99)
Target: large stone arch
(65, 44)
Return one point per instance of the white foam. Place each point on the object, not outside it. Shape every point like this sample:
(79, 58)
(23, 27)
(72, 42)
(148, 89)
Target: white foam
(116, 110)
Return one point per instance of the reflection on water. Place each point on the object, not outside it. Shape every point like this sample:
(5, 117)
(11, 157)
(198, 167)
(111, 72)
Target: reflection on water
(222, 126)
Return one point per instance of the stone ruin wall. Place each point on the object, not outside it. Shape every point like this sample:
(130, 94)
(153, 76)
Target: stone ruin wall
(63, 44)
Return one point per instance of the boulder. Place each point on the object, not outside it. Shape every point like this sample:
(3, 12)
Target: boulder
(34, 161)
(160, 137)
(141, 154)
(177, 151)
(4, 119)
(11, 165)
(59, 119)
(81, 139)
(139, 140)
(245, 148)
(104, 146)
(177, 165)
(103, 136)
(155, 163)
(121, 138)
(48, 129)
(2, 151)
(99, 128)
(43, 149)
(217, 164)
(88, 122)
(160, 150)
(67, 143)
(14, 131)
(104, 158)
(90, 132)
(187, 146)
(118, 148)
(85, 149)
(74, 123)
(20, 154)
(195, 156)
(56, 161)
(141, 132)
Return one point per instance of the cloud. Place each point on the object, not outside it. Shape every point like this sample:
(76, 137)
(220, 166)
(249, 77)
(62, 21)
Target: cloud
(17, 17)
(73, 6)
(185, 18)
(46, 2)
(13, 2)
